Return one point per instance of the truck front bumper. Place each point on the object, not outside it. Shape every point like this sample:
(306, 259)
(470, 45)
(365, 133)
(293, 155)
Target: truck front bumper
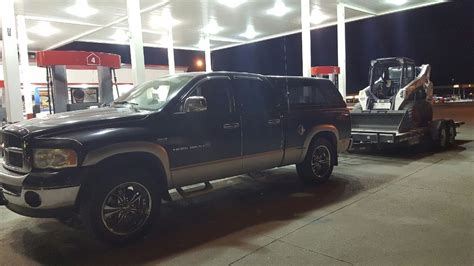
(35, 201)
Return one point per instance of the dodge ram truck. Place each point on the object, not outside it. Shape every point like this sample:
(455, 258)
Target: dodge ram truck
(111, 167)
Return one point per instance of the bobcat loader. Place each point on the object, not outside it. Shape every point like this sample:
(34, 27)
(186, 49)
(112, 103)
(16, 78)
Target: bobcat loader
(396, 107)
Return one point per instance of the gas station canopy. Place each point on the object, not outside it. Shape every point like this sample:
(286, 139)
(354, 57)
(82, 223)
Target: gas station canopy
(53, 23)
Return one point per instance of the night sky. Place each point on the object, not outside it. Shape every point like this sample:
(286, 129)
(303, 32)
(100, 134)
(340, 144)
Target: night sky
(441, 35)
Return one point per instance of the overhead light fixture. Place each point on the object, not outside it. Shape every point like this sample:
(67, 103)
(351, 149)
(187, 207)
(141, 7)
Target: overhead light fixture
(164, 21)
(203, 43)
(397, 2)
(120, 36)
(44, 29)
(212, 27)
(81, 9)
(250, 33)
(232, 3)
(279, 9)
(317, 16)
(165, 40)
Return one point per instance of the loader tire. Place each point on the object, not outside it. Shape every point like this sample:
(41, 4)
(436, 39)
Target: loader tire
(414, 114)
(426, 113)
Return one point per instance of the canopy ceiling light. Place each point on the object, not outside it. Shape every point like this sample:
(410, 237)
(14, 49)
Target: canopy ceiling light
(120, 36)
(164, 21)
(250, 33)
(397, 2)
(165, 40)
(232, 3)
(279, 9)
(44, 29)
(203, 43)
(317, 16)
(212, 27)
(81, 9)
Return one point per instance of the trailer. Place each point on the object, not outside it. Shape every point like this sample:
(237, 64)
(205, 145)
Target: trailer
(396, 108)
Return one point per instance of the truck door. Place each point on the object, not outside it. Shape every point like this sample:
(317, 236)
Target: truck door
(262, 135)
(207, 144)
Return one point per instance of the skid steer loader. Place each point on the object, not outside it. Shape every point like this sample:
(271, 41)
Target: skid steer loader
(396, 106)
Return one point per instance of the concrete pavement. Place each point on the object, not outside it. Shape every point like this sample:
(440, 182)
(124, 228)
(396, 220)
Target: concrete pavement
(400, 207)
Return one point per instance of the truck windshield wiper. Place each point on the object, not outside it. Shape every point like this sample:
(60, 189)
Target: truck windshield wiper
(133, 106)
(125, 102)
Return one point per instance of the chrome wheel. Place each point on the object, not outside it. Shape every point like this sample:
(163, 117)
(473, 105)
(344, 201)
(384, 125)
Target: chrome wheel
(321, 161)
(126, 208)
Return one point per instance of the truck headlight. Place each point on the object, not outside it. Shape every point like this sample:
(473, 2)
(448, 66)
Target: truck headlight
(54, 158)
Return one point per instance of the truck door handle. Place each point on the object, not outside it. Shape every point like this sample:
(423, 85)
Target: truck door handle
(231, 125)
(274, 122)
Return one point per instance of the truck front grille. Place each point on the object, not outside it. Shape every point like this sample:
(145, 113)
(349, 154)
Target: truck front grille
(10, 140)
(14, 159)
(14, 153)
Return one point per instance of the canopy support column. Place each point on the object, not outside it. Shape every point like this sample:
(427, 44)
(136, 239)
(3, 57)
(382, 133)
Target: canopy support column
(306, 37)
(11, 69)
(136, 41)
(341, 46)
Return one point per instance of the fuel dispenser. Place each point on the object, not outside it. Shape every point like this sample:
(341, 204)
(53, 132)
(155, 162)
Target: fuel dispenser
(328, 72)
(61, 97)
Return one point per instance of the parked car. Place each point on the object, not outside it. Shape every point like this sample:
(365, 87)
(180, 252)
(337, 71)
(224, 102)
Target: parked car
(112, 166)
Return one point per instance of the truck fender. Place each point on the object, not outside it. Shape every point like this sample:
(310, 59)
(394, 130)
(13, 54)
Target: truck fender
(313, 132)
(96, 156)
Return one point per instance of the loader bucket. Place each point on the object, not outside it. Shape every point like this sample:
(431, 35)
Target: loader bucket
(380, 121)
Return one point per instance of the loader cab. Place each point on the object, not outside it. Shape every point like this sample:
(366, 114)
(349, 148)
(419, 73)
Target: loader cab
(387, 76)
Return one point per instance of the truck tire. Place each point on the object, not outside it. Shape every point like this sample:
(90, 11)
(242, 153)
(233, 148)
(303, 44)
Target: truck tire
(319, 162)
(120, 209)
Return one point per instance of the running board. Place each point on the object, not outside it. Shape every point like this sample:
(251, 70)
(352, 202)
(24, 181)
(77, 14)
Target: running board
(193, 192)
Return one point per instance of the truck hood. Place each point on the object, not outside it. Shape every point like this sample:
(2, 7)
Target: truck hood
(76, 120)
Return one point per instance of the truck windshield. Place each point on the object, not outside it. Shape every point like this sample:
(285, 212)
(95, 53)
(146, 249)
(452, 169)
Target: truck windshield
(153, 95)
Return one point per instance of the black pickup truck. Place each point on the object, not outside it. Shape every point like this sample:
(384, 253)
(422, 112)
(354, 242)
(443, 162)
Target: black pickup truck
(112, 166)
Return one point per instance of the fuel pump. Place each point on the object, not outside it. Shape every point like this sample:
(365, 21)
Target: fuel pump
(61, 97)
(328, 72)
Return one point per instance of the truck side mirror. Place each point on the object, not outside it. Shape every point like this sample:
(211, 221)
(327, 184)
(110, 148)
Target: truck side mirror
(195, 104)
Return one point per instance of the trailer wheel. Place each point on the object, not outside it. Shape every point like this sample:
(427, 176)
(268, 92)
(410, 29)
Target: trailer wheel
(451, 130)
(318, 164)
(442, 140)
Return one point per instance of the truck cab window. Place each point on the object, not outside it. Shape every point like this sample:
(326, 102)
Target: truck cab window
(217, 94)
(256, 96)
(306, 93)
